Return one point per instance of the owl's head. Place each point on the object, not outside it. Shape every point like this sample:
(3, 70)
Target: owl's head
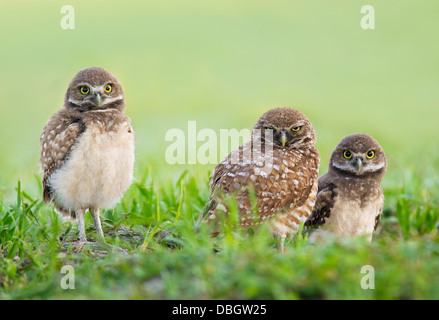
(359, 155)
(286, 127)
(94, 89)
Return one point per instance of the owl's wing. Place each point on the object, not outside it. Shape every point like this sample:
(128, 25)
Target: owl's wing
(378, 217)
(59, 135)
(221, 182)
(377, 221)
(263, 184)
(326, 197)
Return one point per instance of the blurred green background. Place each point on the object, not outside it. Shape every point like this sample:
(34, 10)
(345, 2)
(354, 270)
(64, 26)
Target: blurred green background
(224, 63)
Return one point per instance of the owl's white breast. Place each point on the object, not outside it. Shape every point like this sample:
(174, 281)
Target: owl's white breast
(351, 218)
(99, 169)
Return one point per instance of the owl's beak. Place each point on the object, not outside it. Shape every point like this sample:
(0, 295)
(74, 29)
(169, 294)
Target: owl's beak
(283, 138)
(96, 99)
(358, 164)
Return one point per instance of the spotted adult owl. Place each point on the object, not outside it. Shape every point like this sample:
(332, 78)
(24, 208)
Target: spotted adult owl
(350, 199)
(87, 149)
(279, 166)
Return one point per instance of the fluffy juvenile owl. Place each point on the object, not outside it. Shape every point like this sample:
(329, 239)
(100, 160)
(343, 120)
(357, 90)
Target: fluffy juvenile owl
(350, 199)
(87, 149)
(279, 166)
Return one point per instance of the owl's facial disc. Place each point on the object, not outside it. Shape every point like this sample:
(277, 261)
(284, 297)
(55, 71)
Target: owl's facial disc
(284, 127)
(357, 163)
(287, 136)
(358, 156)
(284, 137)
(95, 96)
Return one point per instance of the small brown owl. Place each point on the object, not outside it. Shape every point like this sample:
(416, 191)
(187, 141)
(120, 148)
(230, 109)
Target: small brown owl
(87, 149)
(279, 166)
(350, 199)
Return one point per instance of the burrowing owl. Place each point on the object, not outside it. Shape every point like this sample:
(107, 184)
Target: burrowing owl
(279, 165)
(87, 149)
(350, 199)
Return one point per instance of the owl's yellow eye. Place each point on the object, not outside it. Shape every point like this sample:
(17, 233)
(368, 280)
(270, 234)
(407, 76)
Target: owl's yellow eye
(370, 154)
(84, 90)
(108, 88)
(268, 128)
(347, 154)
(296, 128)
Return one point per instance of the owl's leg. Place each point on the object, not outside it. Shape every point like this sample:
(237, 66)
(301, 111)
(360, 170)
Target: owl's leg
(280, 241)
(81, 225)
(97, 223)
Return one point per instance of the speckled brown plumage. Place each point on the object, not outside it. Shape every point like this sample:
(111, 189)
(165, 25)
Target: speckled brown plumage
(56, 141)
(282, 177)
(350, 199)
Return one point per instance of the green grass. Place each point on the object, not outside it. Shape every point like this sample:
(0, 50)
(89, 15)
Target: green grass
(165, 259)
(222, 64)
